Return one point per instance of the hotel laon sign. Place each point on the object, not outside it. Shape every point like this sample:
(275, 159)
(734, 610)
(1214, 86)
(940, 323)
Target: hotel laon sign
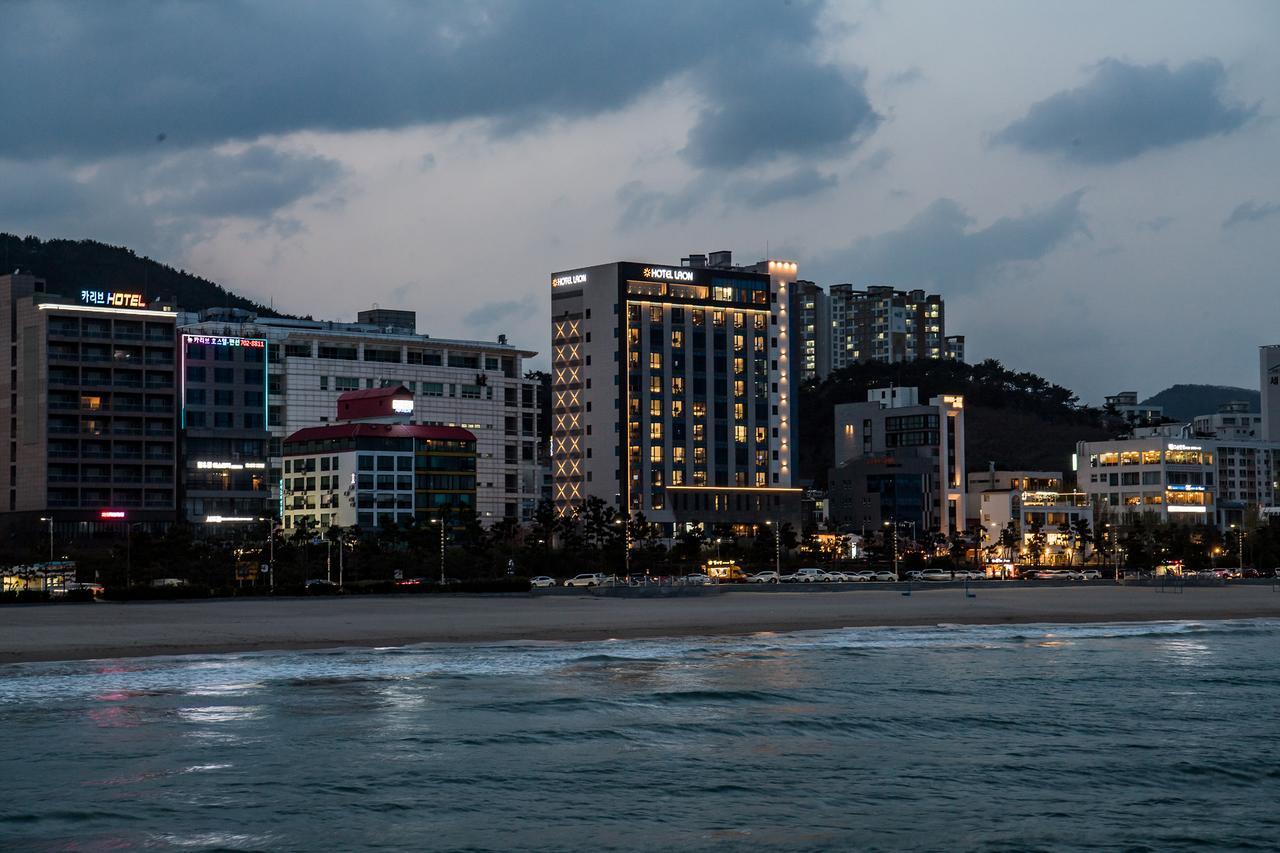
(666, 274)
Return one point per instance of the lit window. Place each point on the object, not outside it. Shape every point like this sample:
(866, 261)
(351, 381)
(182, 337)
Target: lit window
(655, 408)
(739, 411)
(717, 318)
(760, 435)
(677, 386)
(739, 388)
(677, 408)
(699, 410)
(699, 456)
(655, 315)
(655, 430)
(739, 319)
(699, 432)
(677, 477)
(677, 455)
(655, 385)
(739, 365)
(740, 434)
(655, 361)
(677, 338)
(655, 453)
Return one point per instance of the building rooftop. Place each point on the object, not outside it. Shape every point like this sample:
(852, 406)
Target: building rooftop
(369, 430)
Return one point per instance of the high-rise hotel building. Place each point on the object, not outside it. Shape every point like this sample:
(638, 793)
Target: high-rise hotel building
(672, 390)
(87, 409)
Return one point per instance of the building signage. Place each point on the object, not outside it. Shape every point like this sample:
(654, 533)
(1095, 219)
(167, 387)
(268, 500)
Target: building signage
(666, 274)
(219, 341)
(112, 299)
(567, 280)
(403, 407)
(211, 465)
(1185, 447)
(112, 514)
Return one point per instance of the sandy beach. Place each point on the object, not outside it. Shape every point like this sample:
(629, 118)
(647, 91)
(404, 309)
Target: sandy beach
(108, 630)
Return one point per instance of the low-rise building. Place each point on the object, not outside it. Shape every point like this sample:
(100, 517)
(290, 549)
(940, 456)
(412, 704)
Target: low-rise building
(898, 460)
(375, 468)
(1049, 522)
(1126, 406)
(1172, 477)
(977, 482)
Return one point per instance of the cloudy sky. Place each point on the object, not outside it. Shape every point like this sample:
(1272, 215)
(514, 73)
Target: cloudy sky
(1093, 186)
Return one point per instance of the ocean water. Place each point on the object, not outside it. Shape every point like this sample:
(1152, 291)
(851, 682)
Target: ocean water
(1152, 737)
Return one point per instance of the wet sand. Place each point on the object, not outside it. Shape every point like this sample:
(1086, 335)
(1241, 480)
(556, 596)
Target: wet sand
(109, 630)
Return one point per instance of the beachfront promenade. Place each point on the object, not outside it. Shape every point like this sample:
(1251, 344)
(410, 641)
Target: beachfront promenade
(103, 630)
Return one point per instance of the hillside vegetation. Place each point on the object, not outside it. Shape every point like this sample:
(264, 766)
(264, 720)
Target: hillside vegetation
(1184, 402)
(69, 266)
(1016, 420)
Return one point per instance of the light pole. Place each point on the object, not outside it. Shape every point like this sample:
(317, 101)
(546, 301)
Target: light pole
(440, 521)
(777, 549)
(894, 526)
(49, 520)
(271, 558)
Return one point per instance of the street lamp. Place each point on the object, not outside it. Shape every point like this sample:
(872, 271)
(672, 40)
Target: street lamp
(49, 520)
(626, 547)
(1240, 545)
(894, 526)
(440, 521)
(777, 549)
(271, 558)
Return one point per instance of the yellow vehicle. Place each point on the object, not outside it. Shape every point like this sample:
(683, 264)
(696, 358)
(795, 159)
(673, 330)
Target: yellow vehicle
(725, 571)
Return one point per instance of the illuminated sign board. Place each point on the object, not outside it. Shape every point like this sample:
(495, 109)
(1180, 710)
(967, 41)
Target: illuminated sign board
(1199, 509)
(404, 407)
(666, 274)
(112, 514)
(1185, 447)
(1182, 488)
(112, 299)
(567, 280)
(223, 519)
(219, 341)
(207, 465)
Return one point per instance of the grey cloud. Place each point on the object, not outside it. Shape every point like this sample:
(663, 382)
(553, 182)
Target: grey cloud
(779, 103)
(94, 80)
(904, 78)
(1157, 223)
(156, 203)
(937, 249)
(642, 206)
(1126, 110)
(802, 182)
(491, 313)
(1251, 211)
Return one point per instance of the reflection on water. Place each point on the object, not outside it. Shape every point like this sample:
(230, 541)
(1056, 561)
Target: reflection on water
(1002, 737)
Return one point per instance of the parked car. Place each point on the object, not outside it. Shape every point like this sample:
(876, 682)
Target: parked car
(935, 575)
(886, 577)
(587, 579)
(542, 582)
(763, 577)
(811, 575)
(695, 579)
(915, 575)
(1090, 575)
(839, 577)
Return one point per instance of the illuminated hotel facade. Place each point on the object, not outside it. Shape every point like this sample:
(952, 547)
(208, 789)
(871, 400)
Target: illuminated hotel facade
(672, 391)
(87, 409)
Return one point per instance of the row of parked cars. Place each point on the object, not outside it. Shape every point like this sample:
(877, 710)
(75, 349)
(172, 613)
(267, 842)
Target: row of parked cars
(807, 575)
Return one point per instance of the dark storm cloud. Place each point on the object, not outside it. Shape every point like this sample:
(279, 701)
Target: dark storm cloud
(157, 200)
(1251, 211)
(936, 249)
(774, 104)
(802, 182)
(91, 80)
(1125, 110)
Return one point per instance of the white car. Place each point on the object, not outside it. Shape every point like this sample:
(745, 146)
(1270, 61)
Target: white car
(886, 577)
(839, 577)
(811, 576)
(915, 575)
(696, 579)
(763, 577)
(935, 575)
(863, 576)
(589, 579)
(541, 582)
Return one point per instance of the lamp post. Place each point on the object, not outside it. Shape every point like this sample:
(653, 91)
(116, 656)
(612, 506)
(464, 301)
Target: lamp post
(626, 546)
(777, 549)
(894, 526)
(49, 520)
(271, 557)
(440, 521)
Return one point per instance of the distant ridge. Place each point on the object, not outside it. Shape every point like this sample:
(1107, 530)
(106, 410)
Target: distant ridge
(71, 265)
(1184, 402)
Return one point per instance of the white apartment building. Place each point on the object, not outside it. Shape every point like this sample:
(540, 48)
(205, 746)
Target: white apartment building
(1173, 477)
(1054, 513)
(478, 386)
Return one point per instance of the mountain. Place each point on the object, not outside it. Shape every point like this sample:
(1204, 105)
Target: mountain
(1184, 402)
(1017, 420)
(67, 266)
